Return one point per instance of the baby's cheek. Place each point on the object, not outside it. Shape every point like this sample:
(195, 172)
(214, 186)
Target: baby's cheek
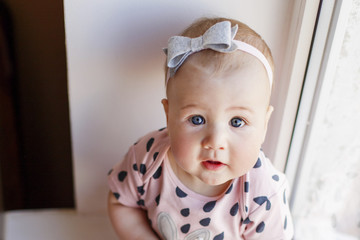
(181, 148)
(245, 158)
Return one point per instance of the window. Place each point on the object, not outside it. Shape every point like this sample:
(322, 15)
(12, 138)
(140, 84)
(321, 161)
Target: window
(324, 159)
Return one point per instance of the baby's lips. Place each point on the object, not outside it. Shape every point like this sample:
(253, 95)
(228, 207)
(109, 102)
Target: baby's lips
(212, 165)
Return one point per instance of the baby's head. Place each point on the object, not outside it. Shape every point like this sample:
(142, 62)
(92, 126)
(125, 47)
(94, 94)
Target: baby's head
(219, 60)
(217, 105)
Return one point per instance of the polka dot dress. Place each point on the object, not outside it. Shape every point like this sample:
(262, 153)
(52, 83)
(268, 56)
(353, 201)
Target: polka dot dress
(253, 207)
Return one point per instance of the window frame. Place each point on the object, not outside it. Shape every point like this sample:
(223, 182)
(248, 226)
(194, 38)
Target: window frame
(327, 43)
(302, 24)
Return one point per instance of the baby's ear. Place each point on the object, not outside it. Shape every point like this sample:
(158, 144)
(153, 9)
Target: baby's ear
(165, 104)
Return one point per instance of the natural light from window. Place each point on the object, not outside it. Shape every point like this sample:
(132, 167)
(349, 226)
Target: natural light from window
(328, 194)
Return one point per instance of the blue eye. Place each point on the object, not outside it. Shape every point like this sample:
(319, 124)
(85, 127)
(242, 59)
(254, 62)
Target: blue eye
(197, 120)
(237, 122)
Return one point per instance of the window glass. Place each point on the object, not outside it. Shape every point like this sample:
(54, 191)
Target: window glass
(328, 198)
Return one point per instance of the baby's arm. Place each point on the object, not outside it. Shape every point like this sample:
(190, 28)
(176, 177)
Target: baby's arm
(126, 221)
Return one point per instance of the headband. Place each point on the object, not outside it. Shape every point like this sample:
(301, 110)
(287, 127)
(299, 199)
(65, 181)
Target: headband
(219, 37)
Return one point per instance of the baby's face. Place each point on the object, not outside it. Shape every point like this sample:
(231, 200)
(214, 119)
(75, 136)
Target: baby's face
(216, 121)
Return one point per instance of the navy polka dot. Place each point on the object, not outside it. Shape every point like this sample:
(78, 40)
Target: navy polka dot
(247, 220)
(140, 202)
(157, 174)
(209, 206)
(116, 195)
(185, 228)
(149, 144)
(229, 189)
(219, 237)
(135, 167)
(285, 223)
(260, 228)
(246, 186)
(258, 163)
(111, 170)
(275, 177)
(161, 129)
(246, 209)
(122, 175)
(142, 169)
(205, 222)
(141, 190)
(155, 155)
(262, 200)
(185, 212)
(157, 200)
(234, 210)
(180, 193)
(284, 197)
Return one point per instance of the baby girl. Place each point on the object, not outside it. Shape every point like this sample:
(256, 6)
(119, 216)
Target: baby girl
(205, 176)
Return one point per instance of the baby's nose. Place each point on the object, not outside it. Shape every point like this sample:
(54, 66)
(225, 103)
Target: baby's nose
(214, 139)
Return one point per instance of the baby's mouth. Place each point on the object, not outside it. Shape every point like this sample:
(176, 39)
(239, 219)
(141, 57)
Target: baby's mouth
(212, 165)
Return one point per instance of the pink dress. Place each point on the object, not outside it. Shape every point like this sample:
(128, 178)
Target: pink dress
(254, 206)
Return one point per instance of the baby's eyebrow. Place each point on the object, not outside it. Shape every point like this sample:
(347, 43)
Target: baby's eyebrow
(239, 108)
(189, 106)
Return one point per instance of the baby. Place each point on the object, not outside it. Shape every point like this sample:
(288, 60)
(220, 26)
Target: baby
(205, 176)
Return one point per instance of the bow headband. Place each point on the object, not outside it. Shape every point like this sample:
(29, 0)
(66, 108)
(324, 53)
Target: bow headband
(219, 37)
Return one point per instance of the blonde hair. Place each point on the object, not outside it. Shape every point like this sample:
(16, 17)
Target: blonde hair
(244, 34)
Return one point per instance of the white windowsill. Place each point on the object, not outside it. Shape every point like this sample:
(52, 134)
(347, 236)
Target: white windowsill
(59, 224)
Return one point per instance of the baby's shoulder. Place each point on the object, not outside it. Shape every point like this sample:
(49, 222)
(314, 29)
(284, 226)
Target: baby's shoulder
(264, 179)
(149, 151)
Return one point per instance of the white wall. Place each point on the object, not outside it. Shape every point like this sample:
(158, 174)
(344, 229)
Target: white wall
(116, 79)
